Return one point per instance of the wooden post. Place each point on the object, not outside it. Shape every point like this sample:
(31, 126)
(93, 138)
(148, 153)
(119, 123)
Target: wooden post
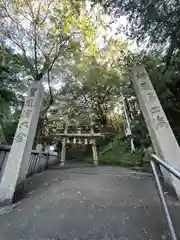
(63, 150)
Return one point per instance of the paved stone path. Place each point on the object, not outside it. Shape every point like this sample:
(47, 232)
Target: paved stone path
(87, 204)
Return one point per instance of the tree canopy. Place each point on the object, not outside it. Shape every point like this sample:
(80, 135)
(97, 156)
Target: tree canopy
(84, 66)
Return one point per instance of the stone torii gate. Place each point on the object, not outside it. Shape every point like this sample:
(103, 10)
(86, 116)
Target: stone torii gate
(88, 138)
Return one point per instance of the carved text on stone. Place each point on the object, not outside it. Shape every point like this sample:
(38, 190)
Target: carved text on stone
(20, 137)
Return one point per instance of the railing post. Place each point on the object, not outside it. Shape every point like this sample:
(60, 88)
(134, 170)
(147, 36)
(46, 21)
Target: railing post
(163, 201)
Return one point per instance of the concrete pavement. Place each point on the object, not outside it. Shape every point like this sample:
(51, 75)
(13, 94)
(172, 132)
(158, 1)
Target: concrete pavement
(87, 203)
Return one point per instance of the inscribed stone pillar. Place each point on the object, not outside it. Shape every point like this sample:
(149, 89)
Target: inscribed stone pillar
(162, 137)
(17, 164)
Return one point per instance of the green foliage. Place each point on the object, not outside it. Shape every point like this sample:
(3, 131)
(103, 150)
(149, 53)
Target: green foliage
(9, 130)
(7, 95)
(93, 84)
(154, 24)
(63, 35)
(11, 89)
(43, 32)
(117, 152)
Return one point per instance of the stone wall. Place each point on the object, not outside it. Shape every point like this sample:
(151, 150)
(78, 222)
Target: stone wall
(37, 162)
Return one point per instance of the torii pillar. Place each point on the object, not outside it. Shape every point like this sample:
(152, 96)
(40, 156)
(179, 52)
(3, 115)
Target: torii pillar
(162, 137)
(17, 164)
(94, 149)
(64, 141)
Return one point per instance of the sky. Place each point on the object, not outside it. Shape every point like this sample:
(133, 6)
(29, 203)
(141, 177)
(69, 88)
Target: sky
(113, 30)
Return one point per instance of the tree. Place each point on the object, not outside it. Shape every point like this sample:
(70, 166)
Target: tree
(45, 35)
(34, 28)
(92, 86)
(11, 90)
(155, 26)
(152, 23)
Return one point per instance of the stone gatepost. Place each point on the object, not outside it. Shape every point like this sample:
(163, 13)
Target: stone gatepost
(63, 150)
(17, 164)
(94, 148)
(162, 137)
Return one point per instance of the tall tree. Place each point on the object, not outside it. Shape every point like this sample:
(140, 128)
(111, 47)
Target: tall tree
(155, 23)
(31, 28)
(93, 85)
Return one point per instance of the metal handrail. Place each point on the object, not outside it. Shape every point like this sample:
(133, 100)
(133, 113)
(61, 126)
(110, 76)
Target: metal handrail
(170, 169)
(156, 159)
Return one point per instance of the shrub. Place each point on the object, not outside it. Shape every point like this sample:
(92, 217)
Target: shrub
(117, 152)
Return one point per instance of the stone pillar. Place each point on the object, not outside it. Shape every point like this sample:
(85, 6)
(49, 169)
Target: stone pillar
(162, 137)
(46, 149)
(17, 164)
(39, 147)
(79, 133)
(94, 149)
(63, 149)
